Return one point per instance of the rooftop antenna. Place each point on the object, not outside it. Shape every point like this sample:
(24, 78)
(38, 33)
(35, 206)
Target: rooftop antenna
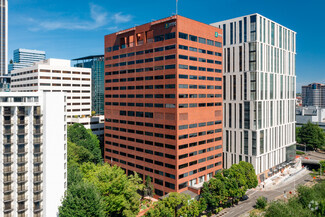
(176, 7)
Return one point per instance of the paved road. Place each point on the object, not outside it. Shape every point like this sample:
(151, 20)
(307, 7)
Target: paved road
(247, 205)
(315, 155)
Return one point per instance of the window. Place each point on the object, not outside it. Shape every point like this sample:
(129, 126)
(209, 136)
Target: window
(193, 49)
(183, 47)
(170, 35)
(218, 44)
(193, 38)
(183, 35)
(202, 40)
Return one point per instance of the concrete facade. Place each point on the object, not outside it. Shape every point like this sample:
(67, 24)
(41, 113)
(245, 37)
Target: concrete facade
(259, 92)
(33, 163)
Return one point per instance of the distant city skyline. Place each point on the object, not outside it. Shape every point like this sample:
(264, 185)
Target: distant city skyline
(69, 30)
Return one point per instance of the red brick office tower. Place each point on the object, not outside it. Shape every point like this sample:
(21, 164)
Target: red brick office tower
(163, 102)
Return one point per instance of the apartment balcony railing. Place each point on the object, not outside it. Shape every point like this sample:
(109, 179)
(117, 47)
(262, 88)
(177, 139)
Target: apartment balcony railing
(38, 150)
(7, 207)
(20, 113)
(7, 151)
(7, 141)
(7, 113)
(22, 208)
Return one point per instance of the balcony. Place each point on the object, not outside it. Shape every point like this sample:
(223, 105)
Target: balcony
(7, 180)
(7, 141)
(22, 169)
(7, 160)
(37, 179)
(22, 197)
(21, 113)
(7, 132)
(7, 198)
(38, 160)
(7, 169)
(37, 189)
(21, 122)
(22, 179)
(38, 150)
(37, 198)
(37, 122)
(22, 208)
(7, 189)
(22, 150)
(22, 132)
(22, 141)
(37, 141)
(38, 208)
(38, 169)
(38, 132)
(22, 189)
(7, 122)
(21, 160)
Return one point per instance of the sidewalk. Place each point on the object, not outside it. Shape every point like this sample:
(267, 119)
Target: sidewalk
(288, 175)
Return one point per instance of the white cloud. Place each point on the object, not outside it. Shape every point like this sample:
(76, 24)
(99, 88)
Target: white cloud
(99, 18)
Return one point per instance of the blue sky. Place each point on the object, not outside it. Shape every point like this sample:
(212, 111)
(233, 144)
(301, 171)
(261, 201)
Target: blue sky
(75, 28)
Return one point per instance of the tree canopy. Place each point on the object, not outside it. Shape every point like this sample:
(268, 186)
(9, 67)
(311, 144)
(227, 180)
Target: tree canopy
(83, 199)
(86, 148)
(176, 205)
(311, 135)
(229, 185)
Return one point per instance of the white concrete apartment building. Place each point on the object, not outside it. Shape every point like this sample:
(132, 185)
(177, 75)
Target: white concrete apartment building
(56, 75)
(259, 93)
(33, 162)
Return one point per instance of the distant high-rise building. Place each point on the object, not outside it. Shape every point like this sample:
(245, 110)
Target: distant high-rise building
(33, 162)
(313, 95)
(25, 58)
(96, 63)
(163, 102)
(259, 85)
(4, 78)
(56, 75)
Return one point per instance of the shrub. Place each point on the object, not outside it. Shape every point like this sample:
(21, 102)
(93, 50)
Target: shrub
(261, 203)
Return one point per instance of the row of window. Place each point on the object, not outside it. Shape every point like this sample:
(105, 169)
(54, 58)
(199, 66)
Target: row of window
(194, 86)
(161, 77)
(167, 127)
(199, 39)
(194, 49)
(140, 132)
(156, 68)
(160, 96)
(195, 68)
(203, 124)
(161, 105)
(138, 53)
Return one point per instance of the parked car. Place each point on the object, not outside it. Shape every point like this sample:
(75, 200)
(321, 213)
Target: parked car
(243, 198)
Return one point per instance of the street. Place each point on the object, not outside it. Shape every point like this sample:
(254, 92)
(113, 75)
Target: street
(249, 204)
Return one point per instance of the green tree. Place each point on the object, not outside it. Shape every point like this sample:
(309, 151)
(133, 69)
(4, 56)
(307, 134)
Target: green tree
(176, 205)
(148, 187)
(83, 199)
(251, 178)
(298, 139)
(312, 136)
(214, 192)
(118, 191)
(79, 154)
(79, 135)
